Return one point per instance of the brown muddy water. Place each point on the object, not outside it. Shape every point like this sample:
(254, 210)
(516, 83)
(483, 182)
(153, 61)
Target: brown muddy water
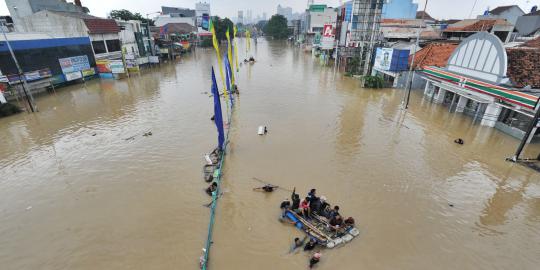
(75, 194)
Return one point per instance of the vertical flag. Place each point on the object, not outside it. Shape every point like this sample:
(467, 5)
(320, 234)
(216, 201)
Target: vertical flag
(235, 47)
(228, 74)
(218, 117)
(229, 52)
(216, 46)
(248, 42)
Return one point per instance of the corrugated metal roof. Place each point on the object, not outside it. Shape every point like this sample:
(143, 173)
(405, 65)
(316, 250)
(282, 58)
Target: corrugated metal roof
(101, 26)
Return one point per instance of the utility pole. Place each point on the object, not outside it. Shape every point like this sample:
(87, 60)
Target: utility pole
(25, 87)
(148, 30)
(532, 125)
(408, 85)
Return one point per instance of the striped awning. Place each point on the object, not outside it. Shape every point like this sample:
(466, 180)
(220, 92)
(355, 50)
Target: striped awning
(503, 93)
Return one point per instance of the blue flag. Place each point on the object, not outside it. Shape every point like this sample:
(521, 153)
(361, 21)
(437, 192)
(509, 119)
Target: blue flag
(218, 117)
(228, 72)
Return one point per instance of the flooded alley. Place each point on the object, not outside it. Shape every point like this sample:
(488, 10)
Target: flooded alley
(82, 188)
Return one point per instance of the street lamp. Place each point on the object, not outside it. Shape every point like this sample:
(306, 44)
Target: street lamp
(25, 87)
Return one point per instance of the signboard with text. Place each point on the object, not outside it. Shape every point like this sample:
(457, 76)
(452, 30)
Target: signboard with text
(383, 58)
(73, 64)
(328, 37)
(117, 66)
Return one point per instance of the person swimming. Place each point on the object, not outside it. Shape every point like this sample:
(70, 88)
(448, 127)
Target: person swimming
(315, 259)
(459, 141)
(266, 188)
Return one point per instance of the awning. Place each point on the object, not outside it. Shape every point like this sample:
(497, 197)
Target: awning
(503, 93)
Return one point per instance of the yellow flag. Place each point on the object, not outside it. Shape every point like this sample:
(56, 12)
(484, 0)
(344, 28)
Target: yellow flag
(248, 40)
(229, 53)
(235, 47)
(216, 46)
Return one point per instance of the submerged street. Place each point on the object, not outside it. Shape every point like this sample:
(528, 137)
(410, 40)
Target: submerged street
(82, 188)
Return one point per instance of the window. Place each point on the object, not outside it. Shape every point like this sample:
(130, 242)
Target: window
(113, 45)
(99, 47)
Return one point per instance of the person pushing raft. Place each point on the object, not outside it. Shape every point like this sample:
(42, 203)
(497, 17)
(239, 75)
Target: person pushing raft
(266, 188)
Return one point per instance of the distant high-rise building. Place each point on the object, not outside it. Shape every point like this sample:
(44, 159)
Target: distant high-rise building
(285, 12)
(264, 17)
(240, 16)
(249, 16)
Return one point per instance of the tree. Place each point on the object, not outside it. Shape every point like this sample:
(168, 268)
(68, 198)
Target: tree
(261, 24)
(277, 27)
(221, 26)
(126, 15)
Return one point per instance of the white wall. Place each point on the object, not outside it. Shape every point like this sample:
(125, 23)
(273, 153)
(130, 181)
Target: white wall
(49, 22)
(319, 19)
(18, 9)
(165, 19)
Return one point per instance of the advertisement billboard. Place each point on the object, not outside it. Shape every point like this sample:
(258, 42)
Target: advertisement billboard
(74, 64)
(328, 37)
(383, 58)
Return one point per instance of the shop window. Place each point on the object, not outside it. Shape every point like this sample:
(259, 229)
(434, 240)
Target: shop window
(113, 45)
(99, 47)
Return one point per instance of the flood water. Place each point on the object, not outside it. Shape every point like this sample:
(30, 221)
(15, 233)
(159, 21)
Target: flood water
(81, 188)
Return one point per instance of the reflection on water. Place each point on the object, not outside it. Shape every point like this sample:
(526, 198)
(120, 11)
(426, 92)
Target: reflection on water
(81, 188)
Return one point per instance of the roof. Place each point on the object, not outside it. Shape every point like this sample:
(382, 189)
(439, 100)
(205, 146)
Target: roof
(178, 28)
(475, 25)
(95, 25)
(403, 22)
(101, 26)
(536, 13)
(434, 54)
(534, 43)
(501, 9)
(425, 15)
(72, 14)
(523, 67)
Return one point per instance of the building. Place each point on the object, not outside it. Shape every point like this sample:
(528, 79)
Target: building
(399, 9)
(318, 16)
(393, 30)
(286, 12)
(201, 10)
(45, 59)
(249, 17)
(528, 25)
(162, 20)
(484, 80)
(24, 8)
(240, 18)
(363, 34)
(509, 13)
(103, 33)
(178, 12)
(132, 38)
(465, 28)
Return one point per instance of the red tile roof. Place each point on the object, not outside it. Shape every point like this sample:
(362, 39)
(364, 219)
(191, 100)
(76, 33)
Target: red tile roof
(473, 25)
(523, 67)
(535, 43)
(434, 54)
(101, 26)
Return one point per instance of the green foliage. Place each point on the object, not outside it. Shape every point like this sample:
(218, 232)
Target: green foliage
(277, 27)
(7, 109)
(221, 26)
(126, 15)
(373, 81)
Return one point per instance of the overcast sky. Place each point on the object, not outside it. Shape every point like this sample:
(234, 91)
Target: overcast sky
(439, 9)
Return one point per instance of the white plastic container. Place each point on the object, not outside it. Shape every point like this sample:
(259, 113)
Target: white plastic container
(261, 130)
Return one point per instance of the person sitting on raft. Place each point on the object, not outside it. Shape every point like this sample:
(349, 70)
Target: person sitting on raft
(324, 207)
(211, 189)
(266, 188)
(310, 245)
(336, 223)
(285, 204)
(304, 207)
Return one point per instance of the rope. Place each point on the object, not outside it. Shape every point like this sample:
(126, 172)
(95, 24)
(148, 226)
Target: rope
(215, 195)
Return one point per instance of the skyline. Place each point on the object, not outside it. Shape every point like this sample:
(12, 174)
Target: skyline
(439, 9)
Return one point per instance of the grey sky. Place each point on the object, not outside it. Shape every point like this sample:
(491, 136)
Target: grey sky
(439, 9)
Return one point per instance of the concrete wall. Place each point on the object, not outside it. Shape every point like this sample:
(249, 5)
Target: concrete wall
(19, 9)
(49, 22)
(163, 20)
(319, 19)
(527, 25)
